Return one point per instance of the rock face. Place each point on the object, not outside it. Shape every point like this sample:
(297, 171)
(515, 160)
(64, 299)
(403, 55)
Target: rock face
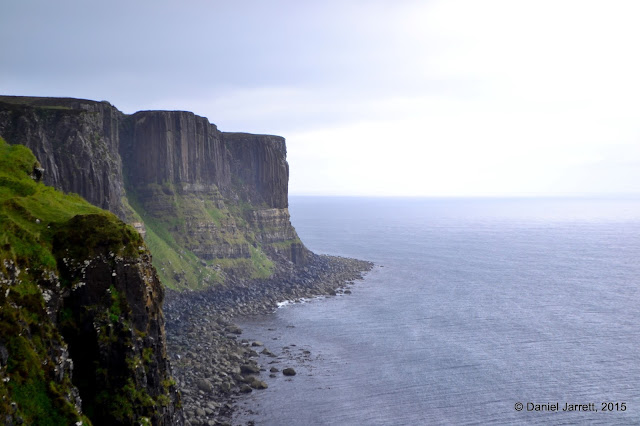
(259, 168)
(183, 148)
(76, 141)
(113, 323)
(81, 324)
(174, 146)
(212, 205)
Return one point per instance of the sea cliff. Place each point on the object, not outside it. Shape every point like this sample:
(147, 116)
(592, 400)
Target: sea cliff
(212, 206)
(82, 335)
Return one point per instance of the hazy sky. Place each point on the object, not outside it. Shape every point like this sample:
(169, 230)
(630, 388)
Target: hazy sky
(443, 98)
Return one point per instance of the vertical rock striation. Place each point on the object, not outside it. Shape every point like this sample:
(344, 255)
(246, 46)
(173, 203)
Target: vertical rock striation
(76, 142)
(221, 196)
(174, 146)
(259, 168)
(212, 205)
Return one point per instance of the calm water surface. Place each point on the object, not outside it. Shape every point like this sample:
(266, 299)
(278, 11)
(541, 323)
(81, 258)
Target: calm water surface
(474, 305)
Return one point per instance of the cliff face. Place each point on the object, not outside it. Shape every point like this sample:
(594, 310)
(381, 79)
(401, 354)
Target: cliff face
(75, 140)
(81, 326)
(174, 146)
(259, 168)
(113, 323)
(212, 205)
(220, 196)
(183, 148)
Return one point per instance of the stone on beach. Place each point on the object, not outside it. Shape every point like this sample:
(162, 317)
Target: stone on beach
(258, 384)
(289, 372)
(267, 352)
(215, 366)
(204, 385)
(249, 369)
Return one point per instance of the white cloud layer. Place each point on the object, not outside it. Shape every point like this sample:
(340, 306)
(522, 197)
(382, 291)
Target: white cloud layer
(446, 98)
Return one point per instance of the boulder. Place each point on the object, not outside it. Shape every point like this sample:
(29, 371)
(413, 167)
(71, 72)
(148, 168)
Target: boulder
(289, 372)
(258, 384)
(204, 385)
(249, 369)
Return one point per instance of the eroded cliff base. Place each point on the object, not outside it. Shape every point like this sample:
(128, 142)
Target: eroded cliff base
(211, 363)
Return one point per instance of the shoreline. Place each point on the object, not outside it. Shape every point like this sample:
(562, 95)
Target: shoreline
(211, 363)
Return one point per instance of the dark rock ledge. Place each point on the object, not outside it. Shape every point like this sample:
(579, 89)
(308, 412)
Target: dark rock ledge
(211, 364)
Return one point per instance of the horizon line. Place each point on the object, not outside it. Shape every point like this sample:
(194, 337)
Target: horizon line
(635, 195)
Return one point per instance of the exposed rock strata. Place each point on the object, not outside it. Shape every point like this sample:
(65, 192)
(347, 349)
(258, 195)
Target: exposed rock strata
(214, 209)
(113, 322)
(231, 189)
(259, 168)
(76, 141)
(198, 194)
(174, 146)
(81, 326)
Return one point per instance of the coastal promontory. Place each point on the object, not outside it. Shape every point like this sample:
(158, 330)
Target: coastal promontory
(128, 244)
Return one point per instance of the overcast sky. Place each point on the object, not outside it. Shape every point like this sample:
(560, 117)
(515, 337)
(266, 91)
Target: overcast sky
(429, 98)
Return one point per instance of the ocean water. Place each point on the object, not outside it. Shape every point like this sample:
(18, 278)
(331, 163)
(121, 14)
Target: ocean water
(474, 305)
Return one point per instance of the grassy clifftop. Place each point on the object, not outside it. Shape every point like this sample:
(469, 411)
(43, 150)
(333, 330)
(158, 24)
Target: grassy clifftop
(30, 211)
(29, 215)
(47, 242)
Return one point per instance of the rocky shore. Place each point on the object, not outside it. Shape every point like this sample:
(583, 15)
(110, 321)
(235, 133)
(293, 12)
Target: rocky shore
(211, 363)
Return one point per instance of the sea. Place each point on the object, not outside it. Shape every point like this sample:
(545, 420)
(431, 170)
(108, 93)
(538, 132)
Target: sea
(478, 311)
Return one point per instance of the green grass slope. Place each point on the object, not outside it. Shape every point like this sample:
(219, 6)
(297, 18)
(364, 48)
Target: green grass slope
(170, 216)
(29, 213)
(35, 388)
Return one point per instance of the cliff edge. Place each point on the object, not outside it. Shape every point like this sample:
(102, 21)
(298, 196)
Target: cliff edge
(82, 334)
(212, 206)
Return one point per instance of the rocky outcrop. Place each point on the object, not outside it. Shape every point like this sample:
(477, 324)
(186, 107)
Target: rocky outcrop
(183, 148)
(220, 196)
(212, 205)
(81, 324)
(76, 141)
(113, 323)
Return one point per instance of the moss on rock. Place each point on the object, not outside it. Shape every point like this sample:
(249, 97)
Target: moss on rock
(57, 252)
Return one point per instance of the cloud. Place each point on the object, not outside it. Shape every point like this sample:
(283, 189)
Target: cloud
(454, 97)
(465, 148)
